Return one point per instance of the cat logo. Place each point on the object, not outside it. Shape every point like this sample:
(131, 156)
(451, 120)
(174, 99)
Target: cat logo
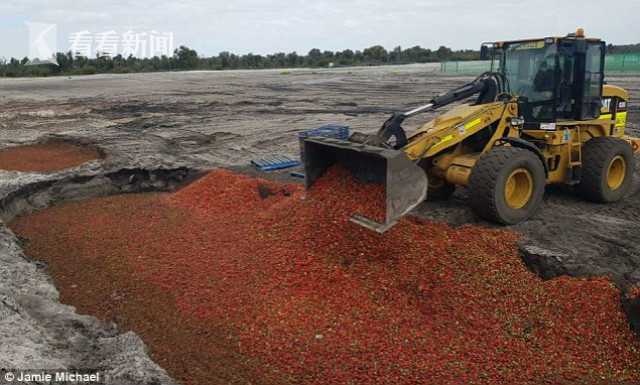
(606, 106)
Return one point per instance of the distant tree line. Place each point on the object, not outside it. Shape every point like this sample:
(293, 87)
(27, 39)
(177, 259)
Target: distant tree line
(185, 58)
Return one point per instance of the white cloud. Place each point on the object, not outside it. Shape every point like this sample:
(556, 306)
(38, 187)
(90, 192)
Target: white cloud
(264, 26)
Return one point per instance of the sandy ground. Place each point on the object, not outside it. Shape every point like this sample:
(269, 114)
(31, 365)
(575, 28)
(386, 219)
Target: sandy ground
(201, 120)
(208, 118)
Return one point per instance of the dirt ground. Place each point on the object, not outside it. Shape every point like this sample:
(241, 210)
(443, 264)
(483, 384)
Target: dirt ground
(202, 120)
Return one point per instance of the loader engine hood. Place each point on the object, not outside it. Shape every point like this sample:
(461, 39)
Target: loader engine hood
(451, 118)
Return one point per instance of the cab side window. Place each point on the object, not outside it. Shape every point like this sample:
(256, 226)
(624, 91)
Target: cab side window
(593, 77)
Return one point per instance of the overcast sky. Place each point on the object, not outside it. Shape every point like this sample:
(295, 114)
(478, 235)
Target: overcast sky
(267, 26)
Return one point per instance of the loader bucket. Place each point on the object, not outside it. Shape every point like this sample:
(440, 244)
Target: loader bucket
(405, 183)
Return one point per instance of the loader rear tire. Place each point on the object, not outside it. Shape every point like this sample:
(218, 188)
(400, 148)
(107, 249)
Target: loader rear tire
(607, 169)
(507, 185)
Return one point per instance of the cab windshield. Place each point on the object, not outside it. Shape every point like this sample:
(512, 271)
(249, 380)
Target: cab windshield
(530, 70)
(555, 79)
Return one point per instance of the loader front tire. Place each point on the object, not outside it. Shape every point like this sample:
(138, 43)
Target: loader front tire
(507, 185)
(607, 169)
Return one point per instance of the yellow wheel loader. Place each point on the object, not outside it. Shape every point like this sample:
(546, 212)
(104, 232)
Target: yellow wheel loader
(542, 115)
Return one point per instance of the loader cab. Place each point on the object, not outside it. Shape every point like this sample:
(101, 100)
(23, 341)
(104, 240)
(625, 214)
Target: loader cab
(555, 79)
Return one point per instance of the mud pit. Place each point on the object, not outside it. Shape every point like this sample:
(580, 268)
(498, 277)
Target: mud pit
(285, 289)
(203, 120)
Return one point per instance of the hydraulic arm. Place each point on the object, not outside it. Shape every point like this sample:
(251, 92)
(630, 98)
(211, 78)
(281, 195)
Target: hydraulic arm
(488, 86)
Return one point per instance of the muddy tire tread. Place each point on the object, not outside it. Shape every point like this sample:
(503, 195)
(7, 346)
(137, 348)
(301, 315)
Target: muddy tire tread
(483, 179)
(597, 152)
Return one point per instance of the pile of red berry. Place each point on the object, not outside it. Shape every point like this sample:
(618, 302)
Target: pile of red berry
(305, 296)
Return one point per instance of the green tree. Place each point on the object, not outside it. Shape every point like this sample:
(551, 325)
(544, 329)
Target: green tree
(375, 55)
(443, 53)
(186, 58)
